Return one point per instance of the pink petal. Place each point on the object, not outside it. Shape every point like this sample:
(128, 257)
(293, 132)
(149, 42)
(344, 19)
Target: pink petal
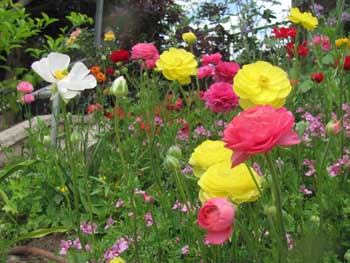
(219, 237)
(289, 138)
(239, 157)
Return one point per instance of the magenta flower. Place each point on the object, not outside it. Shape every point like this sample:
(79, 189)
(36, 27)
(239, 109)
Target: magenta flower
(149, 219)
(212, 59)
(117, 249)
(220, 97)
(204, 72)
(27, 98)
(225, 72)
(185, 250)
(109, 223)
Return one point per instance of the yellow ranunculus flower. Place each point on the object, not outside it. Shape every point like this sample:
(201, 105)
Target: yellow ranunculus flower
(261, 83)
(307, 20)
(208, 153)
(177, 64)
(109, 36)
(189, 38)
(117, 260)
(220, 180)
(342, 42)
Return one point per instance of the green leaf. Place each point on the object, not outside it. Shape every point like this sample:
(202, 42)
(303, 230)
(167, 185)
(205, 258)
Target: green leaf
(13, 168)
(306, 85)
(8, 207)
(41, 233)
(327, 59)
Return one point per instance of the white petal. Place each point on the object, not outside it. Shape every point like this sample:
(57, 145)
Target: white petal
(79, 71)
(41, 67)
(58, 61)
(67, 84)
(89, 82)
(66, 94)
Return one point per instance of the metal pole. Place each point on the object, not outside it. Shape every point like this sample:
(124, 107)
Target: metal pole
(98, 22)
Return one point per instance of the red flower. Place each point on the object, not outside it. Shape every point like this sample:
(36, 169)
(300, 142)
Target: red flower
(110, 114)
(346, 65)
(109, 71)
(285, 32)
(303, 51)
(119, 56)
(94, 107)
(317, 77)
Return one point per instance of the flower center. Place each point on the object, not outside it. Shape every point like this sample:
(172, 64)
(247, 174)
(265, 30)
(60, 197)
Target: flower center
(263, 81)
(61, 74)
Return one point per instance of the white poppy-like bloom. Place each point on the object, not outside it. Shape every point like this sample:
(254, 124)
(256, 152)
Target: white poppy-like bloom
(54, 69)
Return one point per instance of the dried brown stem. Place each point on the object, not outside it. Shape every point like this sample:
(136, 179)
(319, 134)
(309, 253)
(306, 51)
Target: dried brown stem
(25, 250)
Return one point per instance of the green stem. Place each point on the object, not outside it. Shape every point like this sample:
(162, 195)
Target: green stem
(71, 159)
(276, 193)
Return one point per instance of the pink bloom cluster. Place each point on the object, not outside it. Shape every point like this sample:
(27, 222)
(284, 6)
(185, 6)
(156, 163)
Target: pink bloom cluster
(220, 96)
(65, 245)
(304, 190)
(87, 228)
(310, 165)
(342, 163)
(26, 88)
(117, 249)
(322, 41)
(149, 219)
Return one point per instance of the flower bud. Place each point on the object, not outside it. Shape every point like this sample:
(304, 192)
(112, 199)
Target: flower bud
(174, 151)
(270, 210)
(189, 38)
(148, 198)
(315, 219)
(347, 255)
(171, 163)
(47, 140)
(119, 87)
(333, 128)
(75, 137)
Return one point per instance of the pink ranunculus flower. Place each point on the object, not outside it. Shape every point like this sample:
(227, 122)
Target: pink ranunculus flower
(225, 72)
(204, 72)
(220, 97)
(257, 130)
(25, 87)
(144, 51)
(211, 59)
(27, 98)
(150, 64)
(217, 217)
(323, 41)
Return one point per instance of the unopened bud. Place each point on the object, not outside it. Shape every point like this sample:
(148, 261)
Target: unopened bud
(174, 151)
(47, 140)
(333, 128)
(119, 87)
(75, 137)
(189, 38)
(347, 255)
(270, 210)
(315, 219)
(171, 163)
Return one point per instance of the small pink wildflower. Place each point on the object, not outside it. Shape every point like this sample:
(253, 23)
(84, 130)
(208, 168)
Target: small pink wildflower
(119, 203)
(185, 249)
(148, 219)
(87, 228)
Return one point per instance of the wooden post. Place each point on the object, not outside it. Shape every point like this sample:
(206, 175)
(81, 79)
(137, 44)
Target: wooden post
(98, 22)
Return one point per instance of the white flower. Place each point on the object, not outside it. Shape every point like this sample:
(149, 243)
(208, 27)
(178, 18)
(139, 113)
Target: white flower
(54, 69)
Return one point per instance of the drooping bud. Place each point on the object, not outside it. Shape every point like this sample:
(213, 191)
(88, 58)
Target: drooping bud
(47, 140)
(119, 87)
(171, 163)
(333, 128)
(174, 151)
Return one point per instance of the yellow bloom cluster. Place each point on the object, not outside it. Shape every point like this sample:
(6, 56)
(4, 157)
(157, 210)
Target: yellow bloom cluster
(342, 42)
(109, 36)
(208, 153)
(261, 83)
(117, 260)
(177, 64)
(220, 180)
(308, 21)
(211, 162)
